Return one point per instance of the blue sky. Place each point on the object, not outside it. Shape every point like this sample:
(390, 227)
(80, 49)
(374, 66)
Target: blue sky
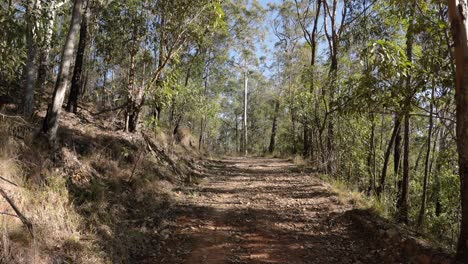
(266, 48)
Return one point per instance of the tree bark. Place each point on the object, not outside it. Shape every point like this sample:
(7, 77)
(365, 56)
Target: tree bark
(383, 175)
(397, 147)
(438, 169)
(371, 157)
(274, 128)
(135, 99)
(403, 206)
(422, 211)
(333, 35)
(51, 120)
(458, 13)
(246, 92)
(77, 79)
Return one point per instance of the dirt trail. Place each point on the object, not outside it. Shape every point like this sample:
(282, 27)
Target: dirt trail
(264, 211)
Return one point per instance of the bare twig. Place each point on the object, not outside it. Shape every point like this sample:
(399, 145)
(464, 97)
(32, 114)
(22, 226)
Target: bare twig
(10, 182)
(8, 214)
(23, 219)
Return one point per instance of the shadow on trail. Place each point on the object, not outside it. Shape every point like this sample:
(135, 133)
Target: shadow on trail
(258, 211)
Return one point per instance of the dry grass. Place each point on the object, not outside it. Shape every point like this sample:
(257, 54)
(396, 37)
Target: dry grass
(84, 205)
(42, 196)
(299, 160)
(349, 195)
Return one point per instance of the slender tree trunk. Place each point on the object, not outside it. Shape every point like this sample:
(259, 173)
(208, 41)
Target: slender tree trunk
(438, 169)
(30, 69)
(383, 175)
(203, 119)
(458, 13)
(77, 79)
(397, 147)
(238, 144)
(333, 35)
(331, 155)
(202, 133)
(404, 206)
(422, 210)
(370, 158)
(246, 91)
(293, 128)
(133, 111)
(305, 139)
(51, 120)
(274, 127)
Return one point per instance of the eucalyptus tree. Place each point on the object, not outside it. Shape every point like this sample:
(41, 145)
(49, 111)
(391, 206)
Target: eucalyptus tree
(288, 33)
(77, 79)
(51, 120)
(334, 25)
(309, 22)
(244, 24)
(457, 11)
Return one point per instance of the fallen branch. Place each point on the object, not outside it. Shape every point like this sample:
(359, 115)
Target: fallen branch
(10, 182)
(154, 148)
(23, 219)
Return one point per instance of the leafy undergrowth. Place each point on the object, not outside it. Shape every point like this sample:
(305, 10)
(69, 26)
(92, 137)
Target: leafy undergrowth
(101, 198)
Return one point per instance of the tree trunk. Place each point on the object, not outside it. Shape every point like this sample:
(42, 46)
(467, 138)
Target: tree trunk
(77, 79)
(238, 147)
(246, 91)
(133, 110)
(305, 140)
(422, 210)
(51, 120)
(458, 13)
(438, 169)
(202, 133)
(403, 206)
(371, 158)
(274, 127)
(30, 69)
(397, 147)
(383, 175)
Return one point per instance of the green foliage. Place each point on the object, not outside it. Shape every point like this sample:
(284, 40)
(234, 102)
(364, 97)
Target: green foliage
(12, 47)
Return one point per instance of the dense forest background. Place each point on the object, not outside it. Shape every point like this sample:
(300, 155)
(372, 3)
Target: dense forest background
(364, 90)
